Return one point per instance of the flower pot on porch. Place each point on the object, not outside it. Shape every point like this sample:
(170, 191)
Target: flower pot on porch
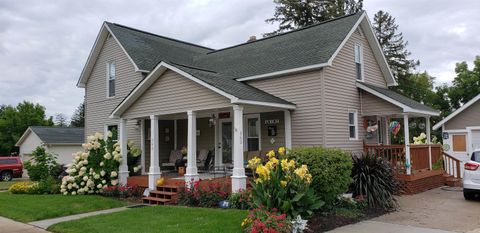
(181, 171)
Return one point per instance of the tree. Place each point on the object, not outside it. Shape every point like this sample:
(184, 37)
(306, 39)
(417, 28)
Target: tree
(60, 120)
(15, 120)
(466, 84)
(293, 14)
(78, 117)
(395, 49)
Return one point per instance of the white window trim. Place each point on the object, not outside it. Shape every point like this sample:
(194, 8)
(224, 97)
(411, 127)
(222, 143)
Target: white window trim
(105, 129)
(355, 124)
(108, 79)
(362, 67)
(245, 130)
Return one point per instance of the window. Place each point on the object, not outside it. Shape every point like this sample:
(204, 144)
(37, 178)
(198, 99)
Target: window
(111, 79)
(359, 61)
(352, 125)
(253, 133)
(114, 130)
(459, 143)
(476, 156)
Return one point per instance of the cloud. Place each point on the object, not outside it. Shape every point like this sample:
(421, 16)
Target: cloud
(44, 44)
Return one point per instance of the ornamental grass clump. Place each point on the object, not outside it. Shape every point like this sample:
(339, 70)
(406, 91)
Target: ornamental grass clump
(373, 180)
(95, 168)
(283, 184)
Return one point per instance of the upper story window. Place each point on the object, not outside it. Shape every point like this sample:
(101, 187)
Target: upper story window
(353, 124)
(359, 61)
(111, 76)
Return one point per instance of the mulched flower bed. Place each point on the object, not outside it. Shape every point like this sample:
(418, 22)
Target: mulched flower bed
(322, 222)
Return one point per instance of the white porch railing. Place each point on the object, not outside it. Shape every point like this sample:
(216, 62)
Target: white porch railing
(452, 165)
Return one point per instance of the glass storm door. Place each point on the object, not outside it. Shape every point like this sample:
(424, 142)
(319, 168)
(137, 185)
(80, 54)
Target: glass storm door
(226, 142)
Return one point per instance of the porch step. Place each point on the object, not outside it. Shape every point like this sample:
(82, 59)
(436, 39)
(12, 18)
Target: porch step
(156, 200)
(164, 195)
(453, 182)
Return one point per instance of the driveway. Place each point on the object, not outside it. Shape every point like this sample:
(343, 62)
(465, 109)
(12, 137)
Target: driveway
(436, 210)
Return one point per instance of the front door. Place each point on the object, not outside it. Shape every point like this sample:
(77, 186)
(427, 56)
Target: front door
(225, 142)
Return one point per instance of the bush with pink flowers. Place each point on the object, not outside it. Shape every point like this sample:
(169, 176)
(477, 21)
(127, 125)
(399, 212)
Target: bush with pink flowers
(261, 220)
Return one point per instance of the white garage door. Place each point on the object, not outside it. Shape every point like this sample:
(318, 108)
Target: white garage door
(476, 139)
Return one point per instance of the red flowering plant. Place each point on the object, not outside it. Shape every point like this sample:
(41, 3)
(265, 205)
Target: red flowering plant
(241, 200)
(261, 220)
(123, 191)
(208, 195)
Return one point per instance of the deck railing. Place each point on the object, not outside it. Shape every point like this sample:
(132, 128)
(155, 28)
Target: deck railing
(395, 154)
(452, 165)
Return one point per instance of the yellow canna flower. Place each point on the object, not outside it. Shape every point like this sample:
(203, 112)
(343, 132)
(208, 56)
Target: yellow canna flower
(287, 165)
(281, 150)
(283, 183)
(263, 172)
(271, 154)
(254, 162)
(272, 163)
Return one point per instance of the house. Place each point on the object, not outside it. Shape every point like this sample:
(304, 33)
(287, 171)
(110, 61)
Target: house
(320, 85)
(62, 142)
(461, 131)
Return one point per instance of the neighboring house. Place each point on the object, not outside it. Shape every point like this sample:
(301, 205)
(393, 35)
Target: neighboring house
(320, 85)
(461, 130)
(62, 142)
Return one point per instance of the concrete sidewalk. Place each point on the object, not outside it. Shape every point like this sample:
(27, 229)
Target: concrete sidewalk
(381, 227)
(10, 226)
(44, 224)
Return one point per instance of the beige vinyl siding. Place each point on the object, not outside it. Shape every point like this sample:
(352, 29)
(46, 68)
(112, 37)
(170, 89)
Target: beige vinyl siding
(172, 93)
(468, 117)
(97, 106)
(371, 69)
(279, 139)
(342, 95)
(372, 106)
(304, 90)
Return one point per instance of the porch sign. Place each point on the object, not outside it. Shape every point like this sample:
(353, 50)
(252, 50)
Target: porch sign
(272, 122)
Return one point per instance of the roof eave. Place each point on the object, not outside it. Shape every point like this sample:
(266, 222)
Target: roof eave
(95, 51)
(456, 112)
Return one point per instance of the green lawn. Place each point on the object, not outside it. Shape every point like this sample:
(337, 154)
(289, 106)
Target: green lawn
(27, 208)
(4, 185)
(165, 219)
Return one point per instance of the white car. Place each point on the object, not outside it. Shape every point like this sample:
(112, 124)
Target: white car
(471, 177)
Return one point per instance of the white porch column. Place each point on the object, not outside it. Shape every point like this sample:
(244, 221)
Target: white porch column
(191, 172)
(154, 172)
(429, 141)
(122, 138)
(142, 145)
(407, 144)
(288, 129)
(239, 180)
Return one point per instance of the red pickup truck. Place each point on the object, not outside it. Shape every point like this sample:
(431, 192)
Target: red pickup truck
(10, 167)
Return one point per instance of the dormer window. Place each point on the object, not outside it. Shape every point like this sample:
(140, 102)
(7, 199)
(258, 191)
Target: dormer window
(359, 61)
(111, 79)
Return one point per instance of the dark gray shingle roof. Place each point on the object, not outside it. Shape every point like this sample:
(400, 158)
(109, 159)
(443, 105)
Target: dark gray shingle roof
(227, 84)
(400, 98)
(311, 45)
(147, 49)
(59, 135)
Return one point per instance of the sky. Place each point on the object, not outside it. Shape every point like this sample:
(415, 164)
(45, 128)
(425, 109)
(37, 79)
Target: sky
(45, 44)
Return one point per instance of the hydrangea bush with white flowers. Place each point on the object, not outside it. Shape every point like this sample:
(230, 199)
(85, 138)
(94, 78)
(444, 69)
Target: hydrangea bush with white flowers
(94, 168)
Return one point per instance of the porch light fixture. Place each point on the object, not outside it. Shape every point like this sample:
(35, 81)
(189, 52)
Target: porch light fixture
(137, 125)
(211, 121)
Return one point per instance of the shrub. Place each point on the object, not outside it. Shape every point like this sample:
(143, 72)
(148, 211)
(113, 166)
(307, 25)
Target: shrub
(133, 159)
(123, 191)
(283, 185)
(95, 168)
(261, 220)
(48, 185)
(202, 196)
(330, 169)
(373, 179)
(24, 187)
(241, 200)
(41, 165)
